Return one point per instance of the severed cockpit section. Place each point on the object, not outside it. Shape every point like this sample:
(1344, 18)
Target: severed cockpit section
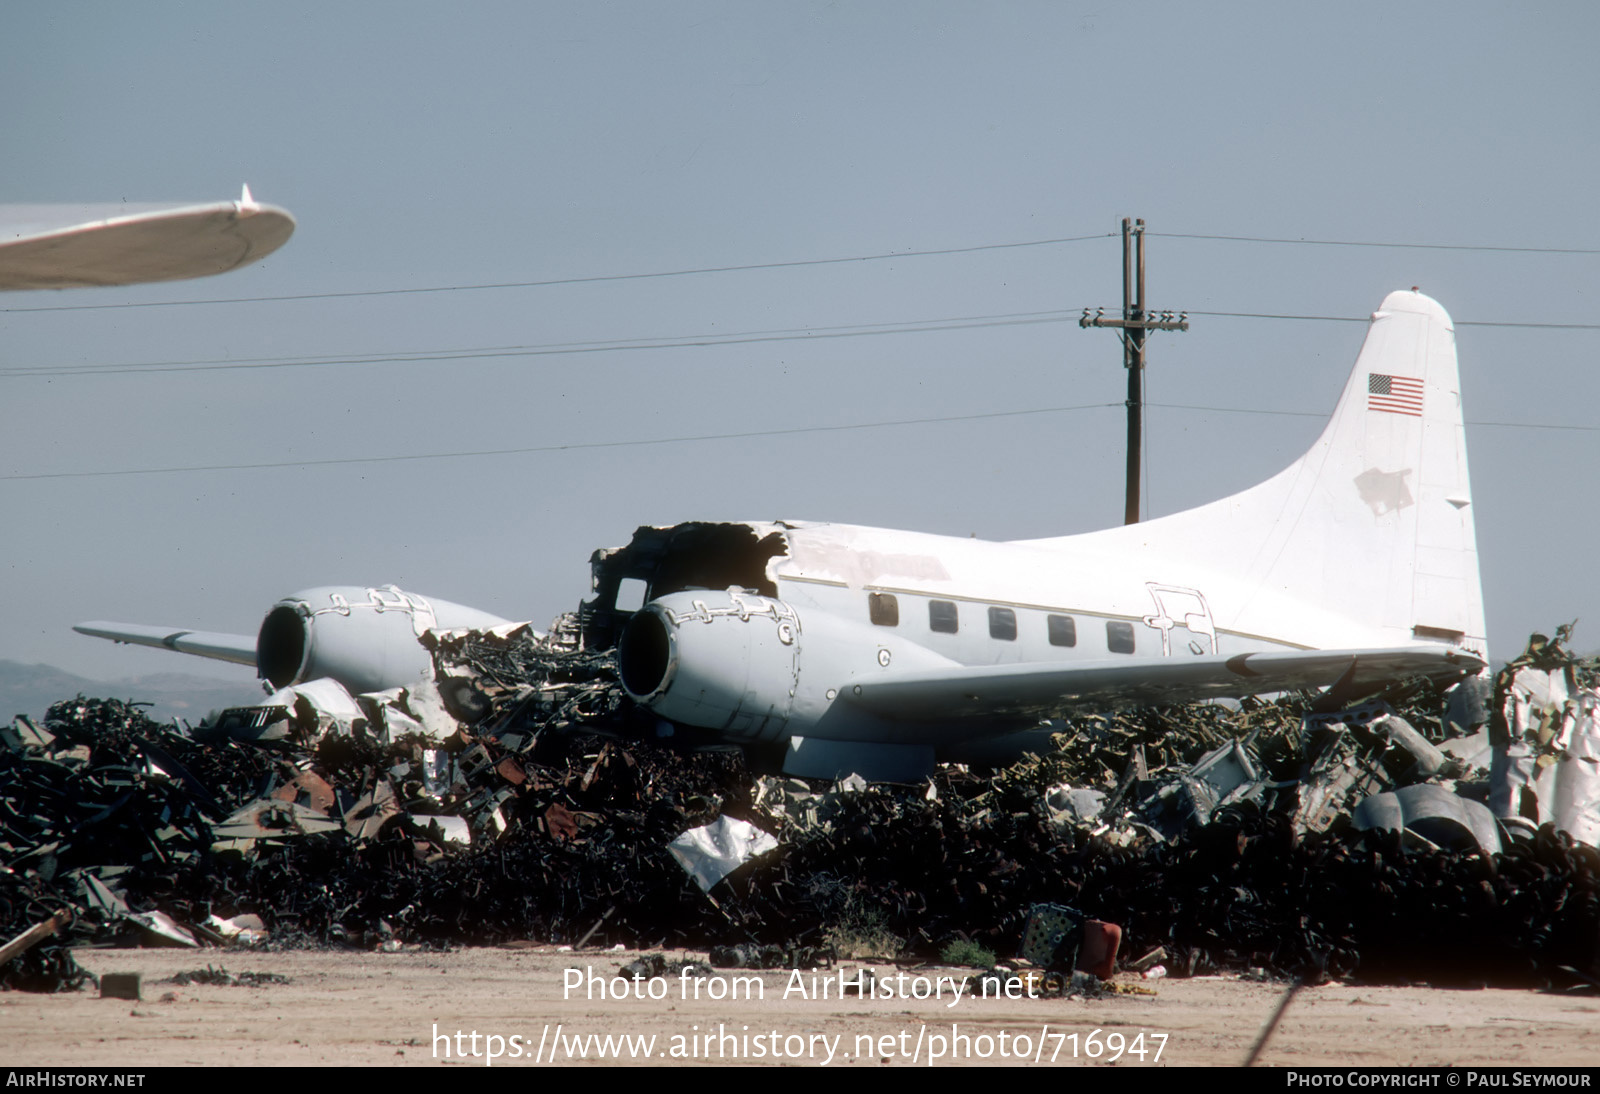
(659, 561)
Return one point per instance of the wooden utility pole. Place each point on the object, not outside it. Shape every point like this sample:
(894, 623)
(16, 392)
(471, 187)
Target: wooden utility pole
(1135, 325)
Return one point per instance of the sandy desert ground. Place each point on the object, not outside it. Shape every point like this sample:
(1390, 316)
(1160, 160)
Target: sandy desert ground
(408, 1008)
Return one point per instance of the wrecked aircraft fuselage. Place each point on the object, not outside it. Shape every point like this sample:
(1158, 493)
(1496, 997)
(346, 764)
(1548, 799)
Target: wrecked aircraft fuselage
(827, 649)
(870, 650)
(836, 648)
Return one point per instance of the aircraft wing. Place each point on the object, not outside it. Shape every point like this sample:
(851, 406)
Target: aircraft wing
(74, 246)
(238, 648)
(1058, 688)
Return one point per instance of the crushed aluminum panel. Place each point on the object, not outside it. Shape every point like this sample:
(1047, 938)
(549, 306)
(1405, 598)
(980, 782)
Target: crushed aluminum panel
(368, 814)
(162, 930)
(713, 851)
(1343, 771)
(1222, 776)
(330, 697)
(1549, 770)
(263, 723)
(1433, 813)
(789, 799)
(1514, 778)
(419, 707)
(1467, 704)
(1577, 805)
(451, 829)
(309, 789)
(1327, 794)
(1430, 761)
(267, 818)
(23, 733)
(439, 772)
(426, 705)
(323, 703)
(104, 899)
(797, 804)
(1073, 806)
(248, 929)
(1226, 769)
(1472, 753)
(389, 721)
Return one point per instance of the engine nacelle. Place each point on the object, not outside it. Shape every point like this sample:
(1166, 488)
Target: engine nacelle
(728, 661)
(367, 639)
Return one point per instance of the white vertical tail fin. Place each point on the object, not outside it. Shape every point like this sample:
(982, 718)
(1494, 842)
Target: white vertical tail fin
(1372, 529)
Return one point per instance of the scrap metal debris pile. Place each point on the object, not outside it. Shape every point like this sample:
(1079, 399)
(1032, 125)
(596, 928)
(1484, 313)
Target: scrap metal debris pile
(1364, 843)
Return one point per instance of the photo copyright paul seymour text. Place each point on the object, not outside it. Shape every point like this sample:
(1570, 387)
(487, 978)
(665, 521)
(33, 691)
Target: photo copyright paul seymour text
(1463, 1079)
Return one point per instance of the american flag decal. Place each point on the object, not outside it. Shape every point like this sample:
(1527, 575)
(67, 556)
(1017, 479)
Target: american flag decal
(1394, 394)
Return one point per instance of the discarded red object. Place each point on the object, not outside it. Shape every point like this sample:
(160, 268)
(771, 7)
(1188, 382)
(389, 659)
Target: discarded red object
(1098, 955)
(560, 822)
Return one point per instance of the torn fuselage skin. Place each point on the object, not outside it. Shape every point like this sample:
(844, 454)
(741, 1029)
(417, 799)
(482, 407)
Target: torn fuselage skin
(659, 561)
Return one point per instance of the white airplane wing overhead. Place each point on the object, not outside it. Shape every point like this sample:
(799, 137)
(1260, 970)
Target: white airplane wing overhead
(75, 246)
(238, 648)
(1044, 689)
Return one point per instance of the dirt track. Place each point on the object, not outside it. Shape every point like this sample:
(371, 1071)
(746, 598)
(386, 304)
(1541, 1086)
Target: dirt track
(363, 1009)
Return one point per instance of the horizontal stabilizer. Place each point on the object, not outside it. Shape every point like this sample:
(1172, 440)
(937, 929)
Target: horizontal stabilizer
(237, 648)
(1044, 689)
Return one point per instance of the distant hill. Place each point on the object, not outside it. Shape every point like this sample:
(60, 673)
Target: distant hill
(31, 689)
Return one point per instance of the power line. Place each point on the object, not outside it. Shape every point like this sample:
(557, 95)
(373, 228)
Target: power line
(1532, 326)
(576, 280)
(791, 334)
(1368, 318)
(573, 447)
(687, 341)
(1315, 414)
(1271, 315)
(1375, 243)
(698, 438)
(1539, 425)
(1238, 410)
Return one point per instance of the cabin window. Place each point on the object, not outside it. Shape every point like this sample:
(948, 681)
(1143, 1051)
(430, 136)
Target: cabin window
(1063, 630)
(1003, 624)
(1119, 636)
(942, 618)
(883, 609)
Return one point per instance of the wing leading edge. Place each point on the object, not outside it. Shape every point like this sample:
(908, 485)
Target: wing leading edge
(77, 246)
(989, 691)
(237, 648)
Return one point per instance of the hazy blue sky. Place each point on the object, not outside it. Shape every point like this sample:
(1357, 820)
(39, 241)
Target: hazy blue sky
(429, 147)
